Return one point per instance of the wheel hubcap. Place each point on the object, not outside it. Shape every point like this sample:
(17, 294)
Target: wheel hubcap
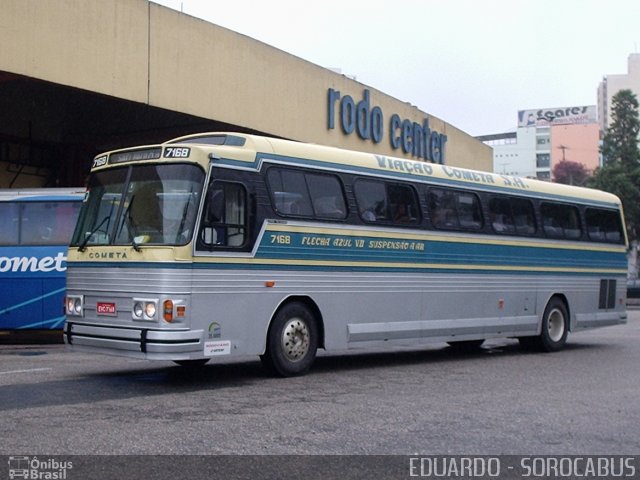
(556, 325)
(295, 339)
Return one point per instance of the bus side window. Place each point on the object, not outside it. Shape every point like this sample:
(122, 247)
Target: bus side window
(289, 192)
(453, 209)
(327, 197)
(403, 203)
(560, 221)
(500, 215)
(604, 225)
(523, 217)
(66, 217)
(303, 194)
(469, 213)
(224, 216)
(10, 221)
(442, 208)
(48, 223)
(371, 197)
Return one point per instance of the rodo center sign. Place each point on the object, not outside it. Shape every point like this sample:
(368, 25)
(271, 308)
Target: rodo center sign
(368, 122)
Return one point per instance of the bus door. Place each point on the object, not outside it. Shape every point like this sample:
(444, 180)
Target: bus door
(225, 219)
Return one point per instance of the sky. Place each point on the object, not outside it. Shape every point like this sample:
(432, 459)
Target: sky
(471, 63)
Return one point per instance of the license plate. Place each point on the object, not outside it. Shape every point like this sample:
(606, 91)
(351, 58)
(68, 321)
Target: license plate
(106, 308)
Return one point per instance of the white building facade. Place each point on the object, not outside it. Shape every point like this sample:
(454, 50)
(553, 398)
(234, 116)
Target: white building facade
(612, 84)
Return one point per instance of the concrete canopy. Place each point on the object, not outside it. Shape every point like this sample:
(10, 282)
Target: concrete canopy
(79, 77)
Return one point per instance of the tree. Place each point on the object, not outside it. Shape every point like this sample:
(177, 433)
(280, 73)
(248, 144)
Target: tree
(570, 173)
(620, 143)
(620, 173)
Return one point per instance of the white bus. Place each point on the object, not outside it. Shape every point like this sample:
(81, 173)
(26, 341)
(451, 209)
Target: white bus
(218, 245)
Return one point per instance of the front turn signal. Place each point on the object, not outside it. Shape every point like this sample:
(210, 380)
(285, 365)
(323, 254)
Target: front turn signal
(167, 311)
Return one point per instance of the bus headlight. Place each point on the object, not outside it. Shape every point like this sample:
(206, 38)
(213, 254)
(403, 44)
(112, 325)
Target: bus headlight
(74, 305)
(138, 310)
(144, 309)
(150, 309)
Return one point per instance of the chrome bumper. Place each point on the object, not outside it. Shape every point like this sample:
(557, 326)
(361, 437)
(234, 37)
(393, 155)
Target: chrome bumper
(148, 343)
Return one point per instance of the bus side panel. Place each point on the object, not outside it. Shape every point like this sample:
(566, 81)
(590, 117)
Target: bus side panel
(32, 286)
(236, 306)
(21, 304)
(240, 305)
(593, 301)
(359, 308)
(53, 291)
(362, 309)
(451, 307)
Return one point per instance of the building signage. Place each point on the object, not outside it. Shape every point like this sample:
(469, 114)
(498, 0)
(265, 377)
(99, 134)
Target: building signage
(557, 116)
(368, 122)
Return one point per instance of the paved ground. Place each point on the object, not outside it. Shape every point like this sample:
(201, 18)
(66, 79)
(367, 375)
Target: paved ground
(501, 400)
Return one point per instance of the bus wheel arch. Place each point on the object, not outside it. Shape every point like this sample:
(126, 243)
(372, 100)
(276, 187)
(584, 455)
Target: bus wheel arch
(554, 327)
(295, 333)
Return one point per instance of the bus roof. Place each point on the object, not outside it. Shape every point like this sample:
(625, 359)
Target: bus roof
(251, 151)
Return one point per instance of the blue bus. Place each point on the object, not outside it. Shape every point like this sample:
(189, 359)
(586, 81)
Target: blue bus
(36, 226)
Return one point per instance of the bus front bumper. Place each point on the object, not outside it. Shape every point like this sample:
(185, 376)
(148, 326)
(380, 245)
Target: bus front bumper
(148, 343)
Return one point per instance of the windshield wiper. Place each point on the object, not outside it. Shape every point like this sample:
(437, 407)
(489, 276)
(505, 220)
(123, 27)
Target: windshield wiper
(126, 216)
(83, 245)
(184, 216)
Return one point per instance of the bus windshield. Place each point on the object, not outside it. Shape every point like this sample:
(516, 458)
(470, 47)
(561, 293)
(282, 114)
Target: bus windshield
(141, 204)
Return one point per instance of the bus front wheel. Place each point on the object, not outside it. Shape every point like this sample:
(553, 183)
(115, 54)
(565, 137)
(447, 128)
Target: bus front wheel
(292, 341)
(555, 328)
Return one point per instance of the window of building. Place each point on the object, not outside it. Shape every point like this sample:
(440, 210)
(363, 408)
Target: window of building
(544, 176)
(543, 160)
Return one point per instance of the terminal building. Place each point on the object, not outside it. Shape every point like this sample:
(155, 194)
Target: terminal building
(78, 78)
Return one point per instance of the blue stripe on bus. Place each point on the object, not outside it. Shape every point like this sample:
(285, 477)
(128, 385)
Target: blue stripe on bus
(442, 252)
(351, 252)
(325, 248)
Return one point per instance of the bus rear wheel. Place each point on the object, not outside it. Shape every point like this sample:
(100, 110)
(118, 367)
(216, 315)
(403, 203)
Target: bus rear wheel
(555, 328)
(292, 341)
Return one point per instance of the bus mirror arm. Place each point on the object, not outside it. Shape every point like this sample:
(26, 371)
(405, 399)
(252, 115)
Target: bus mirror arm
(210, 235)
(135, 245)
(207, 236)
